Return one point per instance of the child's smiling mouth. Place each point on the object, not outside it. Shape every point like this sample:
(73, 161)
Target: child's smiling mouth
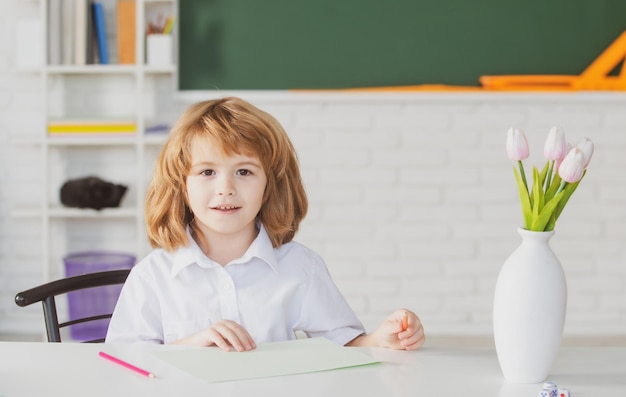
(226, 208)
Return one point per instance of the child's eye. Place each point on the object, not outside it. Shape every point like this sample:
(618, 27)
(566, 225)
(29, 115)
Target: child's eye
(244, 172)
(207, 172)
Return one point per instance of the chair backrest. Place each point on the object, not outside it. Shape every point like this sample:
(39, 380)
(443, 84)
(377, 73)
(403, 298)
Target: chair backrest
(47, 292)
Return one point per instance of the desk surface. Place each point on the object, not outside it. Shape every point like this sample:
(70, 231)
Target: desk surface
(68, 369)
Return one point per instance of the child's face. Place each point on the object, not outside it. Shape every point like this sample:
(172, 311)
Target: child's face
(225, 193)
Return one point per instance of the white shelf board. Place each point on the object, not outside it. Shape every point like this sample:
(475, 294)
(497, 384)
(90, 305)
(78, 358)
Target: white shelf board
(79, 213)
(95, 140)
(64, 212)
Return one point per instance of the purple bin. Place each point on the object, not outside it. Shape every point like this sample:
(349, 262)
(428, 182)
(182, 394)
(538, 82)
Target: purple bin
(98, 300)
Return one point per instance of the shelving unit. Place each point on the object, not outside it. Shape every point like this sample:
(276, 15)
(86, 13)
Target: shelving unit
(96, 90)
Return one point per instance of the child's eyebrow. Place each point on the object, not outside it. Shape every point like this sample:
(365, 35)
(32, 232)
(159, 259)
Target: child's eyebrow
(248, 163)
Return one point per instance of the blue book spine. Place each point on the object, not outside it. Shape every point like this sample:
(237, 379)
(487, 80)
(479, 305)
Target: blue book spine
(103, 51)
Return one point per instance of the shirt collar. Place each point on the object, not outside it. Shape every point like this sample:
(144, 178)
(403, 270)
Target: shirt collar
(260, 248)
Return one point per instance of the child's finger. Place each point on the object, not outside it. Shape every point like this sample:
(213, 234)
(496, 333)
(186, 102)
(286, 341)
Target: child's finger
(405, 321)
(238, 337)
(414, 340)
(228, 333)
(415, 345)
(219, 341)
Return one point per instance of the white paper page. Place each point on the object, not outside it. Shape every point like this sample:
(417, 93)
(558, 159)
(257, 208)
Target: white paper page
(267, 360)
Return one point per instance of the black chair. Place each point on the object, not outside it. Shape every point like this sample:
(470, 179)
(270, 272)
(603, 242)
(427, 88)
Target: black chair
(47, 292)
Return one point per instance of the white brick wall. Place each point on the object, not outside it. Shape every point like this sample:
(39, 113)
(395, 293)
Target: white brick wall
(413, 201)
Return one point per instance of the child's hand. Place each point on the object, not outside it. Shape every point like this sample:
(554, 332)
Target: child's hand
(402, 330)
(223, 334)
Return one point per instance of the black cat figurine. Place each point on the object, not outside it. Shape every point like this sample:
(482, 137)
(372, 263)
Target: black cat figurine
(91, 192)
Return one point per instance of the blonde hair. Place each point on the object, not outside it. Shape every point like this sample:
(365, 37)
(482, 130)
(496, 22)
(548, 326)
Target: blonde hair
(239, 128)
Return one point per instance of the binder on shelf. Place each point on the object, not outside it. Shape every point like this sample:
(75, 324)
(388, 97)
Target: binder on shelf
(126, 31)
(54, 32)
(103, 49)
(91, 127)
(67, 32)
(92, 45)
(81, 16)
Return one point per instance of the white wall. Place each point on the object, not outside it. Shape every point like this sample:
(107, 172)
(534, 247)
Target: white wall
(413, 201)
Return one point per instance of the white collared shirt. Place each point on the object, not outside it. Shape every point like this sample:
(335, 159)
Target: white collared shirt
(271, 292)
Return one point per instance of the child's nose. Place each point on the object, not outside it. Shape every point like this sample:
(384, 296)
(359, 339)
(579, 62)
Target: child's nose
(227, 187)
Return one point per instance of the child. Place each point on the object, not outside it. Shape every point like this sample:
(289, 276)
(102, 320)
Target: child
(222, 209)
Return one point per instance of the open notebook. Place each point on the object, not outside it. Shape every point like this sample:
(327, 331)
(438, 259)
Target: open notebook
(267, 360)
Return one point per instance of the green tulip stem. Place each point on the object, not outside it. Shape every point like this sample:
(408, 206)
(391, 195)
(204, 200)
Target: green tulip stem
(523, 174)
(561, 187)
(549, 177)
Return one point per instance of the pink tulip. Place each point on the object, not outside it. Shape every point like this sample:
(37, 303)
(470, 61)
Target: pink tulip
(516, 144)
(573, 166)
(557, 163)
(555, 146)
(586, 146)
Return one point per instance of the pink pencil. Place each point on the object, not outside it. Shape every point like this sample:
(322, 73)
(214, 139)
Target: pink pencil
(126, 365)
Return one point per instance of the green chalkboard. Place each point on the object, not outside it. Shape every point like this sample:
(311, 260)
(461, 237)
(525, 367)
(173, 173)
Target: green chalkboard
(300, 44)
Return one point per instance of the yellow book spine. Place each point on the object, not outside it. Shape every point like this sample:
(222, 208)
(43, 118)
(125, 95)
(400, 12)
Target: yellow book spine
(90, 128)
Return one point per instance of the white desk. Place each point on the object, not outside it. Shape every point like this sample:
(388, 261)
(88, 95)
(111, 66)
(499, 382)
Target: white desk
(68, 369)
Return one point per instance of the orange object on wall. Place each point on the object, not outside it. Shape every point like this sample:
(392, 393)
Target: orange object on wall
(595, 77)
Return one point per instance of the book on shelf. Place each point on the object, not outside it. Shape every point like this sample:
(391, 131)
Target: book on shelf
(92, 48)
(72, 38)
(126, 31)
(67, 31)
(91, 127)
(54, 32)
(81, 18)
(77, 33)
(100, 27)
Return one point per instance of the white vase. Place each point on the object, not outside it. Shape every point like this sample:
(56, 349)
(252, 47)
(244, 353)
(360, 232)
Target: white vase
(529, 309)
